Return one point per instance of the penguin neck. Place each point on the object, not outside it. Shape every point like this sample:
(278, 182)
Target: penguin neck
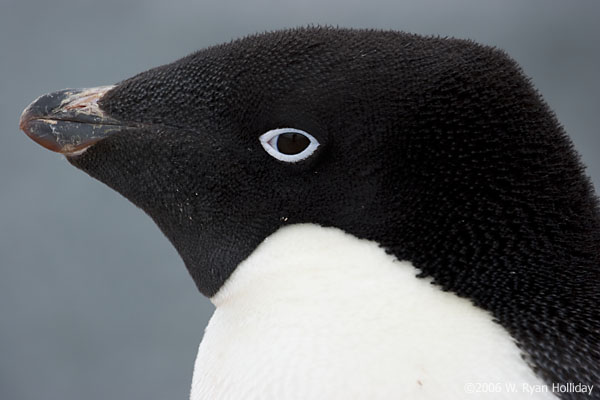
(318, 313)
(301, 262)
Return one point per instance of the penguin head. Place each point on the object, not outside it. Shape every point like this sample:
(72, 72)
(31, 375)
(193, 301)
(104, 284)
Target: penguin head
(421, 144)
(440, 150)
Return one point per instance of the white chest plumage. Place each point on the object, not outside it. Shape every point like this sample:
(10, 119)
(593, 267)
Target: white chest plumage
(315, 313)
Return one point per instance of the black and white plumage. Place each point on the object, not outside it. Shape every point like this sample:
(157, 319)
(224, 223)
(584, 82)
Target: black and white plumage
(437, 151)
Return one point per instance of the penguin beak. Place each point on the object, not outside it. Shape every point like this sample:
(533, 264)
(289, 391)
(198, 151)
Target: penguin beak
(68, 121)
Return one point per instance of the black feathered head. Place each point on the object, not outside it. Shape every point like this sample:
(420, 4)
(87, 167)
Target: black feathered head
(438, 149)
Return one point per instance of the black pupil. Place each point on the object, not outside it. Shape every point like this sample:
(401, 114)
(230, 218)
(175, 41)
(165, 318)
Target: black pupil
(292, 143)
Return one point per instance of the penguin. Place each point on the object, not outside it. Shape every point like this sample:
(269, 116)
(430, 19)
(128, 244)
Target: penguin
(375, 214)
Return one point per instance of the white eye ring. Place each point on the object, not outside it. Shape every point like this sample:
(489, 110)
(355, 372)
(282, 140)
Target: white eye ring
(269, 139)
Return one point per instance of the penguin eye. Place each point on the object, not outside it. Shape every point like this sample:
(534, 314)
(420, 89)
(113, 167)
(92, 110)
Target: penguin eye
(289, 144)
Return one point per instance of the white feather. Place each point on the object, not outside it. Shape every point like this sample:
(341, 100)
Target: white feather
(315, 313)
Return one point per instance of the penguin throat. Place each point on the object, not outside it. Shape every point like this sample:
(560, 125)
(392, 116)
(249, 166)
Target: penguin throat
(317, 313)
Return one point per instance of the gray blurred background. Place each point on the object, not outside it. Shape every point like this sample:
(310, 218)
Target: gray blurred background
(94, 301)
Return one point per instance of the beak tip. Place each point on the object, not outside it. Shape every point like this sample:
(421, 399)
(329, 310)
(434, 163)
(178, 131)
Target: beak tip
(40, 133)
(26, 116)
